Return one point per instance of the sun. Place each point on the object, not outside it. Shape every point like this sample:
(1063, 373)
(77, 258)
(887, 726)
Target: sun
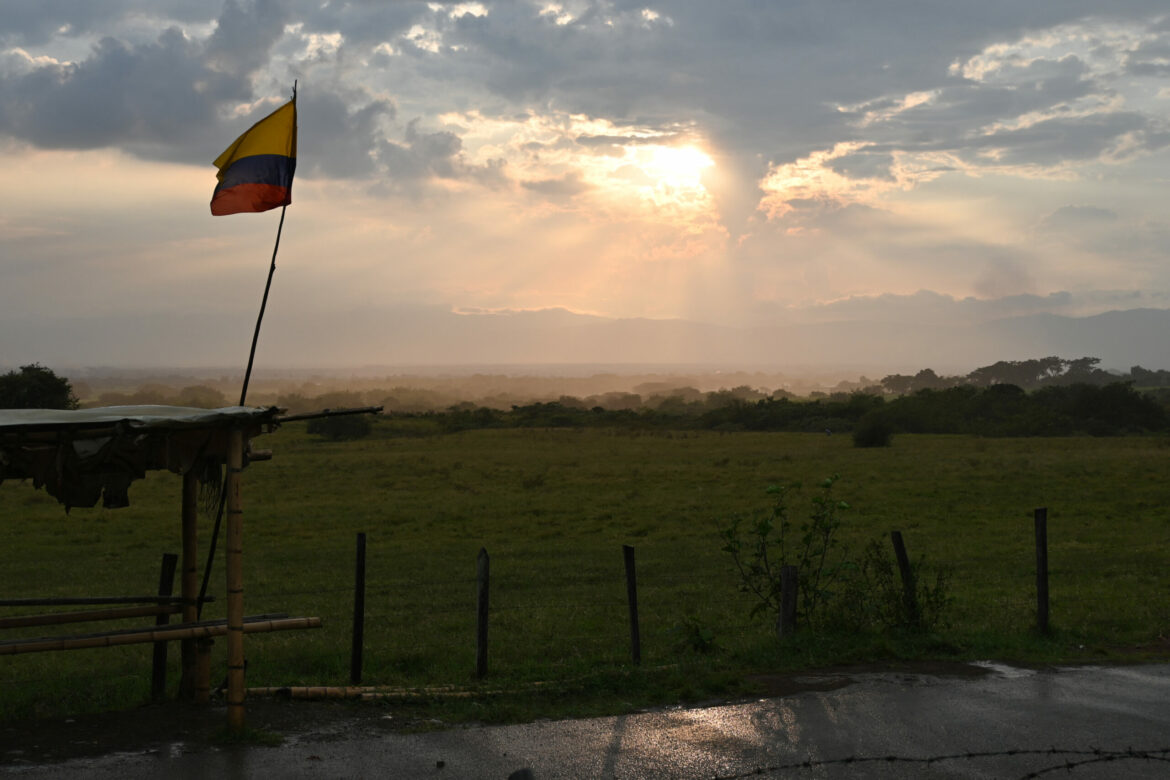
(677, 167)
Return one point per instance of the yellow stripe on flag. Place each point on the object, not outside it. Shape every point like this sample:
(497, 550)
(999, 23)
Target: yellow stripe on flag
(274, 134)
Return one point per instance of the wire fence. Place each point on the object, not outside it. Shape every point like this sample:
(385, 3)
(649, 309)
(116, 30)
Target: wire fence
(572, 610)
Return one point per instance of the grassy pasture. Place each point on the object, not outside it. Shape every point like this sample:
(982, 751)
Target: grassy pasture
(553, 508)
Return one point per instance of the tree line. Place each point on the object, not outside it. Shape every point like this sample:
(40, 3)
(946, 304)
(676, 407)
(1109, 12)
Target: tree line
(999, 410)
(1041, 397)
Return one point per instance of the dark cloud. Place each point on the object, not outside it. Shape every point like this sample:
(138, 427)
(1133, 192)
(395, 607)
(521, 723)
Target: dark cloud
(35, 22)
(157, 99)
(764, 82)
(425, 156)
(334, 140)
(245, 34)
(1076, 139)
(121, 95)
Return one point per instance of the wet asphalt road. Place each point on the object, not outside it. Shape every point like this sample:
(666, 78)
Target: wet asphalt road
(911, 717)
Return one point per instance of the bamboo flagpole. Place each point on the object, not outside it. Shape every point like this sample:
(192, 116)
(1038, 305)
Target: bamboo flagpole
(255, 174)
(271, 271)
(263, 305)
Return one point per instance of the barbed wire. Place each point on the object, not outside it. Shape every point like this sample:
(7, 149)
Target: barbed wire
(1074, 759)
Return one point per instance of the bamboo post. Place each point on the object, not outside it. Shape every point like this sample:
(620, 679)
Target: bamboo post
(203, 669)
(189, 583)
(632, 598)
(786, 620)
(482, 572)
(158, 670)
(909, 590)
(359, 611)
(1040, 519)
(235, 584)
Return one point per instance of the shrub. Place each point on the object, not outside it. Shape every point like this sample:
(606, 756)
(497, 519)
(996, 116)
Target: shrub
(342, 427)
(773, 541)
(873, 430)
(873, 597)
(835, 590)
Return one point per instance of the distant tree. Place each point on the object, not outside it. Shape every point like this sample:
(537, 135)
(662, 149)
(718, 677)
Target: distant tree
(1143, 377)
(898, 384)
(926, 379)
(1084, 371)
(35, 387)
(202, 397)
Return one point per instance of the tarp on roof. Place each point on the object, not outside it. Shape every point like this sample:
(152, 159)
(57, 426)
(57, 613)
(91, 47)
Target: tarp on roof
(172, 417)
(81, 455)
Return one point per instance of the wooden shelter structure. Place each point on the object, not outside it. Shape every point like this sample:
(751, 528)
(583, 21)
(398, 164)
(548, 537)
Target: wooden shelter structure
(86, 455)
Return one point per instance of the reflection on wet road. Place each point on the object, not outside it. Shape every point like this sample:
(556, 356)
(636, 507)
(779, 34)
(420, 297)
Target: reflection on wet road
(994, 725)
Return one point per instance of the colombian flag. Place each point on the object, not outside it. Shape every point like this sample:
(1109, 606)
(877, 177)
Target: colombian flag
(256, 172)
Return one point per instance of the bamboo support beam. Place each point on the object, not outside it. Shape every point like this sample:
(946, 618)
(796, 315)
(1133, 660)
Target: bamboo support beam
(70, 601)
(87, 615)
(178, 631)
(235, 584)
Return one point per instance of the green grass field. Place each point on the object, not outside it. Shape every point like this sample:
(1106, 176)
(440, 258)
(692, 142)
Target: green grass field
(553, 508)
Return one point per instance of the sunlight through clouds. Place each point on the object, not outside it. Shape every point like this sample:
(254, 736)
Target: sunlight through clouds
(654, 174)
(715, 160)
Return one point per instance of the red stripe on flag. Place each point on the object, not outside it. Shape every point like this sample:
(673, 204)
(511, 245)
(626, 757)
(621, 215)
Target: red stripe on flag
(249, 198)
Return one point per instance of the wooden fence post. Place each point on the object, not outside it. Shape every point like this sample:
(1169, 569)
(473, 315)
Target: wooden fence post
(482, 571)
(158, 670)
(909, 590)
(786, 620)
(632, 598)
(1040, 519)
(359, 611)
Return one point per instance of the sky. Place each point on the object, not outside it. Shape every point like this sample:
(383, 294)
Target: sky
(737, 164)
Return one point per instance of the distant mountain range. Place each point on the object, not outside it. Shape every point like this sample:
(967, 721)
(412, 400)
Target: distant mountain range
(437, 336)
(1121, 339)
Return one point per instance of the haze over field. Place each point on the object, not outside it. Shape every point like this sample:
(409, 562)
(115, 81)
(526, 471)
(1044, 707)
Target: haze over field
(885, 186)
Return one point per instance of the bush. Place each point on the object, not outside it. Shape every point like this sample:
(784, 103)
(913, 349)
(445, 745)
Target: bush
(873, 597)
(873, 430)
(342, 427)
(836, 591)
(774, 541)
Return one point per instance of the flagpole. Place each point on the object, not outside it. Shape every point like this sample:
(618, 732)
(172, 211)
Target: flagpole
(263, 305)
(243, 397)
(267, 287)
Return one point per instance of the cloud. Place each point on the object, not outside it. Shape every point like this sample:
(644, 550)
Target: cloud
(338, 135)
(159, 98)
(244, 35)
(1077, 217)
(562, 187)
(531, 155)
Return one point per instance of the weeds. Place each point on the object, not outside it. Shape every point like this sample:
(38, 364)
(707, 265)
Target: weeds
(835, 591)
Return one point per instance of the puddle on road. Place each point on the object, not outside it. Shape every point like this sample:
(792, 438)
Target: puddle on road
(1004, 670)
